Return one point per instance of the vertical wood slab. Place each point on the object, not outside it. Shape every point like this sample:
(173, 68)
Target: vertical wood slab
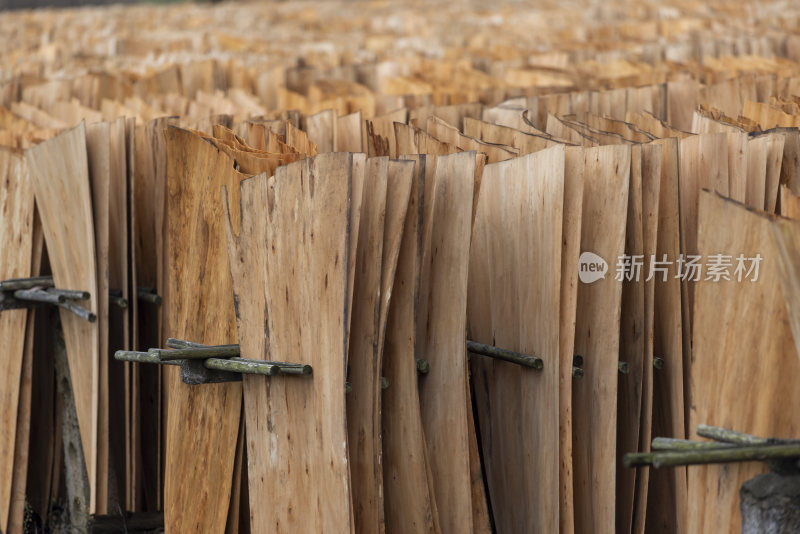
(348, 133)
(740, 328)
(363, 414)
(632, 347)
(440, 335)
(296, 433)
(321, 128)
(594, 398)
(408, 500)
(99, 157)
(661, 494)
(16, 238)
(570, 252)
(199, 471)
(59, 171)
(515, 285)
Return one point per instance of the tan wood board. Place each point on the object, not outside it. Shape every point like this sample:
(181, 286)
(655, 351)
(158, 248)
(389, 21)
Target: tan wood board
(441, 326)
(594, 398)
(297, 440)
(198, 472)
(408, 498)
(515, 281)
(631, 344)
(349, 133)
(363, 403)
(570, 252)
(60, 171)
(16, 235)
(99, 157)
(741, 327)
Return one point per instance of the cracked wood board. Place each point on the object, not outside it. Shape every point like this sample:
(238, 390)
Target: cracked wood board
(60, 171)
(297, 438)
(515, 281)
(198, 475)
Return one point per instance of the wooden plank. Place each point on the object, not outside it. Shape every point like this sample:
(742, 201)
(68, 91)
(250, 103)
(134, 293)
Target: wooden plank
(321, 128)
(16, 235)
(788, 256)
(348, 133)
(408, 499)
(203, 314)
(761, 367)
(99, 158)
(631, 344)
(364, 369)
(59, 170)
(570, 252)
(661, 494)
(515, 281)
(441, 324)
(594, 398)
(297, 448)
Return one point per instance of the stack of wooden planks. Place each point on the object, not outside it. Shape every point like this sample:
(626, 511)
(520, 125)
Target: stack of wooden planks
(362, 189)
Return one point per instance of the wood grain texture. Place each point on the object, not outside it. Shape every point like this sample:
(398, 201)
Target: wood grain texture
(297, 438)
(745, 323)
(199, 472)
(661, 494)
(594, 398)
(99, 157)
(408, 498)
(363, 408)
(59, 171)
(515, 284)
(570, 252)
(631, 347)
(16, 236)
(441, 325)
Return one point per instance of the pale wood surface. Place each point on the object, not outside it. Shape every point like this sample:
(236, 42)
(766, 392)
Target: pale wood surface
(733, 321)
(606, 179)
(441, 325)
(363, 408)
(16, 235)
(59, 171)
(199, 472)
(408, 498)
(515, 281)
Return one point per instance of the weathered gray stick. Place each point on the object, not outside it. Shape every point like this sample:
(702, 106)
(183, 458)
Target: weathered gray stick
(80, 311)
(197, 353)
(624, 368)
(142, 357)
(423, 366)
(70, 294)
(38, 295)
(147, 294)
(729, 436)
(242, 365)
(577, 372)
(26, 283)
(658, 363)
(673, 444)
(713, 456)
(506, 355)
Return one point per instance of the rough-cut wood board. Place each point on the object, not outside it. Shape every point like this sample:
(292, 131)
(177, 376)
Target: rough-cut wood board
(408, 500)
(481, 519)
(398, 191)
(16, 238)
(149, 230)
(661, 495)
(594, 398)
(631, 347)
(363, 412)
(515, 281)
(59, 170)
(348, 137)
(99, 158)
(441, 326)
(741, 327)
(757, 149)
(788, 262)
(199, 472)
(321, 128)
(570, 252)
(297, 439)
